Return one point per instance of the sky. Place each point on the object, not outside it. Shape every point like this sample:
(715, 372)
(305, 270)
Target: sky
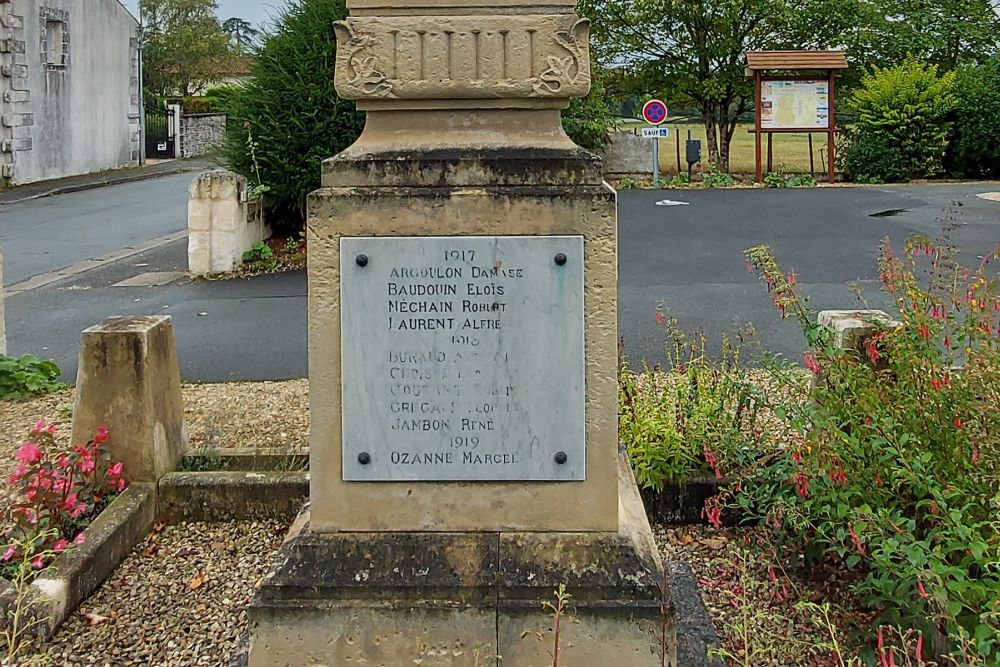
(254, 11)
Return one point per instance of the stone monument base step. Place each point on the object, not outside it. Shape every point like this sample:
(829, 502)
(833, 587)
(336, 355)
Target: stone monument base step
(460, 599)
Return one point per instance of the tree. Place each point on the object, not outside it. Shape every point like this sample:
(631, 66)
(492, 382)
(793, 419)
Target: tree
(288, 118)
(185, 48)
(947, 33)
(241, 33)
(691, 52)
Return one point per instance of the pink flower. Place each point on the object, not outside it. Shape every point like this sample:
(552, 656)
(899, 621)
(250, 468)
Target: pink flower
(117, 469)
(78, 510)
(60, 546)
(80, 539)
(85, 464)
(64, 461)
(7, 555)
(856, 540)
(659, 318)
(29, 453)
(102, 435)
(921, 591)
(70, 503)
(51, 430)
(37, 563)
(121, 485)
(39, 427)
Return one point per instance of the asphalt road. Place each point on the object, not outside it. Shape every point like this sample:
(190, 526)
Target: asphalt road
(687, 256)
(50, 233)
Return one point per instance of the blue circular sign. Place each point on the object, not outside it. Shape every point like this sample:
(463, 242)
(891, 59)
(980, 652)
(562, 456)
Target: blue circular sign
(655, 112)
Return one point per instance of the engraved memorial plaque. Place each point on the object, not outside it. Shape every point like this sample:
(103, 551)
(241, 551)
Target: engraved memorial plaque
(463, 358)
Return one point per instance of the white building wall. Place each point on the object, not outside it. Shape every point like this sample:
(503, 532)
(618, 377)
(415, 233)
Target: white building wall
(80, 117)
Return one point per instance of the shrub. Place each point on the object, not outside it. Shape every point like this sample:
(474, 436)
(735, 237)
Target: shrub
(56, 494)
(891, 465)
(27, 376)
(290, 112)
(671, 422)
(587, 120)
(902, 123)
(974, 148)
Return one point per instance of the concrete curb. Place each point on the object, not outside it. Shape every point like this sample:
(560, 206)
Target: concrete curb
(695, 630)
(103, 183)
(231, 496)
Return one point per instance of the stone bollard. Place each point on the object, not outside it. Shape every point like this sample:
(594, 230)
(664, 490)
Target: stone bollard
(3, 325)
(851, 328)
(220, 226)
(129, 382)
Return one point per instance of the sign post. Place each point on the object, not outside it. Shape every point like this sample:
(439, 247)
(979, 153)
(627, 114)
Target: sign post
(655, 113)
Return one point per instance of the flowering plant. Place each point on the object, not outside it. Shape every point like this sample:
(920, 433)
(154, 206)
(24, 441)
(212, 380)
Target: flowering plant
(891, 465)
(57, 492)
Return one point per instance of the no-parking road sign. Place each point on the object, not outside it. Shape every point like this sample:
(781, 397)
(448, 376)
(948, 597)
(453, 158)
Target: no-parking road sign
(655, 112)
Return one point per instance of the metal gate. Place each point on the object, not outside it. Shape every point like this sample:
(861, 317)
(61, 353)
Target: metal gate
(159, 132)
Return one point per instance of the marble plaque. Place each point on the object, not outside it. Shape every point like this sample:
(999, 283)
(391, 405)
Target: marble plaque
(463, 358)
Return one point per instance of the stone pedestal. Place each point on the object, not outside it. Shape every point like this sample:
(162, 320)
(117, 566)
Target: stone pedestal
(413, 551)
(129, 382)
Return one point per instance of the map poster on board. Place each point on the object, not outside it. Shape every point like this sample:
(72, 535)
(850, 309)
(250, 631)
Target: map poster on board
(795, 105)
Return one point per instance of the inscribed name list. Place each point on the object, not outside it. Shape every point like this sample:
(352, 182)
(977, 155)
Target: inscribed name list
(463, 358)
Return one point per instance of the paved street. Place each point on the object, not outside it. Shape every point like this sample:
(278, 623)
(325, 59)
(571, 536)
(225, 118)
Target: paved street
(687, 256)
(50, 233)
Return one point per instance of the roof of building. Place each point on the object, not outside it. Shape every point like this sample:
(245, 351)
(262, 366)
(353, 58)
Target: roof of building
(796, 60)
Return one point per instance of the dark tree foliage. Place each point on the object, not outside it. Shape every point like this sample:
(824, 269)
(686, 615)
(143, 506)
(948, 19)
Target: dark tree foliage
(288, 119)
(974, 148)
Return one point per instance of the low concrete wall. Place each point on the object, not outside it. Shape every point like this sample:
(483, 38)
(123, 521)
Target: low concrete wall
(220, 225)
(627, 155)
(202, 134)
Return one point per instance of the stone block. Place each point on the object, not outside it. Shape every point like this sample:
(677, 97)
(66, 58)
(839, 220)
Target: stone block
(851, 328)
(220, 227)
(3, 321)
(129, 382)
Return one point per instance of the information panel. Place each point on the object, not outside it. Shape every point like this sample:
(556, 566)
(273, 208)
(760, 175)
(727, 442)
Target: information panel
(795, 105)
(463, 358)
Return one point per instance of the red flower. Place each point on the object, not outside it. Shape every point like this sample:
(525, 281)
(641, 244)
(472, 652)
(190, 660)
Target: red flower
(85, 464)
(925, 333)
(802, 484)
(959, 424)
(116, 470)
(659, 318)
(37, 563)
(856, 540)
(947, 342)
(812, 364)
(102, 435)
(70, 503)
(60, 546)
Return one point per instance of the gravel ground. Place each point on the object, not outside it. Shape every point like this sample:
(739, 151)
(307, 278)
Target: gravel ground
(755, 595)
(177, 601)
(248, 415)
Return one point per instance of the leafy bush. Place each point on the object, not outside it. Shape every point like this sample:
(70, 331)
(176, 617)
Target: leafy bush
(290, 112)
(671, 422)
(974, 148)
(717, 179)
(57, 493)
(27, 376)
(782, 179)
(587, 120)
(902, 122)
(891, 465)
